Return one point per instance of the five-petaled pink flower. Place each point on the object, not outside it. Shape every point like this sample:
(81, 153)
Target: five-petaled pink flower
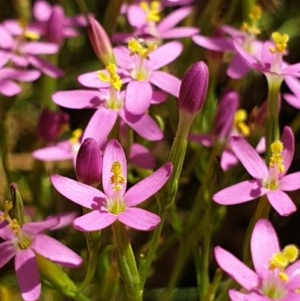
(271, 180)
(115, 203)
(276, 274)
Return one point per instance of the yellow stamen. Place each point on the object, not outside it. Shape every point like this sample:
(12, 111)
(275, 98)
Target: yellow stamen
(255, 13)
(117, 179)
(291, 252)
(280, 41)
(152, 10)
(76, 135)
(112, 77)
(239, 122)
(278, 260)
(276, 158)
(283, 277)
(254, 16)
(140, 47)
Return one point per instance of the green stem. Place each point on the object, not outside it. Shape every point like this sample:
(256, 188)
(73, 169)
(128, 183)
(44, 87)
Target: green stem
(127, 264)
(272, 122)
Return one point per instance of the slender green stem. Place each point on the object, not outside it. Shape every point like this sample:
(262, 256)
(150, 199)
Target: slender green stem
(127, 264)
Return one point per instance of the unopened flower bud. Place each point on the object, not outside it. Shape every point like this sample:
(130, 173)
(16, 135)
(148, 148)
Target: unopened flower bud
(193, 88)
(89, 163)
(55, 24)
(100, 42)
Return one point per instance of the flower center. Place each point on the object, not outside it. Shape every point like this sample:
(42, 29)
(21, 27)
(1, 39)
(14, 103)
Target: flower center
(23, 240)
(116, 204)
(151, 10)
(239, 123)
(276, 166)
(75, 140)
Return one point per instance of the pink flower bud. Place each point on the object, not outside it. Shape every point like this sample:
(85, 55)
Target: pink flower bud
(55, 26)
(89, 163)
(193, 88)
(100, 42)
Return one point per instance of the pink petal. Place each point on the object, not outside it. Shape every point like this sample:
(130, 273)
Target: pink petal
(236, 269)
(237, 296)
(103, 119)
(145, 126)
(281, 202)
(123, 57)
(290, 182)
(238, 67)
(214, 44)
(264, 243)
(21, 75)
(240, 193)
(166, 82)
(292, 100)
(42, 10)
(79, 193)
(113, 153)
(137, 97)
(60, 151)
(9, 88)
(136, 16)
(141, 156)
(91, 80)
(64, 219)
(253, 163)
(228, 160)
(180, 32)
(26, 265)
(93, 221)
(54, 250)
(38, 227)
(174, 18)
(293, 84)
(7, 251)
(39, 48)
(148, 186)
(139, 219)
(287, 138)
(78, 99)
(164, 54)
(205, 139)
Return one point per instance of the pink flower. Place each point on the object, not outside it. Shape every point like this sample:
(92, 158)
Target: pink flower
(24, 242)
(271, 180)
(276, 272)
(115, 203)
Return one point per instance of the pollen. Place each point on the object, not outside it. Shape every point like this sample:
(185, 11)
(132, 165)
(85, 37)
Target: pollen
(117, 179)
(141, 48)
(239, 123)
(291, 252)
(111, 77)
(151, 10)
(278, 260)
(283, 277)
(76, 135)
(251, 27)
(276, 158)
(280, 42)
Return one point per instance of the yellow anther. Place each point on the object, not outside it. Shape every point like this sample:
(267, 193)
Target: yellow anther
(15, 227)
(76, 135)
(239, 122)
(255, 13)
(140, 47)
(283, 277)
(112, 77)
(276, 158)
(280, 41)
(152, 10)
(278, 260)
(117, 179)
(31, 35)
(291, 252)
(8, 205)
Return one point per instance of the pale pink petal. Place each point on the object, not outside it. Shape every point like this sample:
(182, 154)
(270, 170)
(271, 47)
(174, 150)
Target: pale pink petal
(54, 250)
(38, 227)
(144, 125)
(174, 18)
(236, 269)
(253, 163)
(214, 44)
(291, 296)
(100, 125)
(7, 251)
(166, 82)
(292, 100)
(164, 54)
(21, 75)
(264, 243)
(179, 32)
(141, 156)
(290, 182)
(78, 99)
(9, 88)
(139, 219)
(293, 83)
(238, 67)
(237, 296)
(39, 48)
(228, 160)
(64, 219)
(240, 193)
(42, 10)
(293, 70)
(287, 138)
(281, 202)
(93, 221)
(113, 153)
(25, 265)
(148, 186)
(137, 97)
(136, 16)
(79, 193)
(91, 80)
(123, 57)
(60, 151)
(158, 97)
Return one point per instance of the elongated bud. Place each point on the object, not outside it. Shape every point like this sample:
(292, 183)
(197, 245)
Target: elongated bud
(193, 88)
(54, 32)
(89, 163)
(100, 42)
(17, 211)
